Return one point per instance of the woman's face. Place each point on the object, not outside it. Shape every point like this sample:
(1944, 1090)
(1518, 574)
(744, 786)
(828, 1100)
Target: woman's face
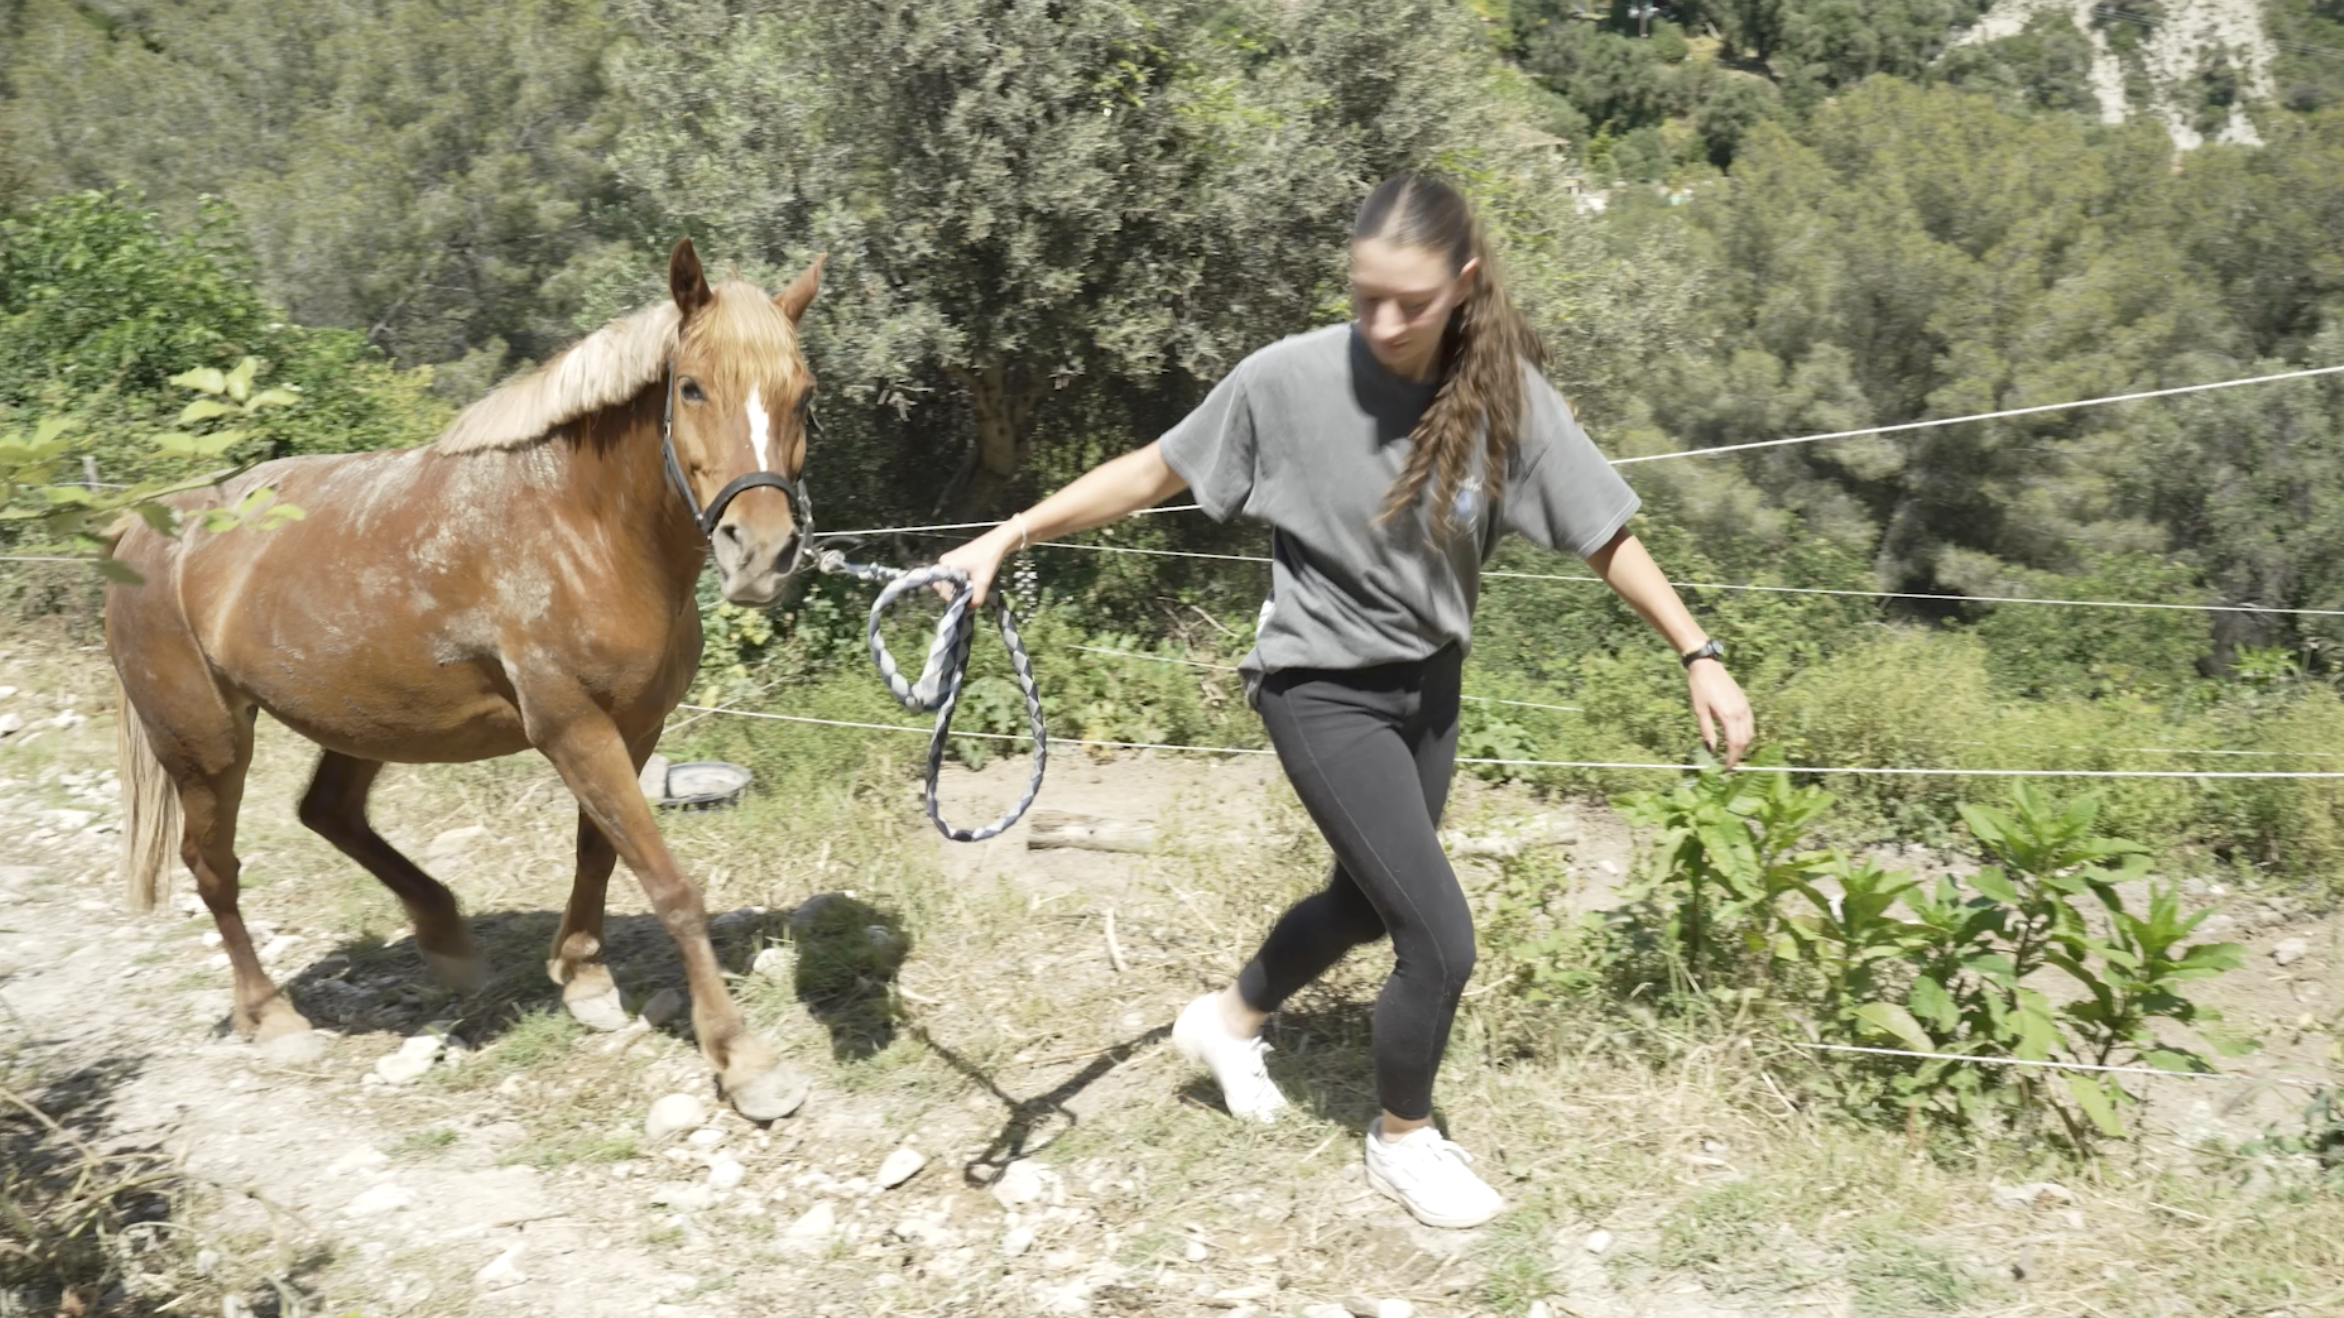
(1403, 297)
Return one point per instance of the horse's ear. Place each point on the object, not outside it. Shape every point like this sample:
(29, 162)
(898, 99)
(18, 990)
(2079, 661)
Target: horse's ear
(685, 279)
(794, 299)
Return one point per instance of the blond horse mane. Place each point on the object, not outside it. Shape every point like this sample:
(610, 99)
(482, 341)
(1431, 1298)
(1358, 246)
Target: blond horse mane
(605, 368)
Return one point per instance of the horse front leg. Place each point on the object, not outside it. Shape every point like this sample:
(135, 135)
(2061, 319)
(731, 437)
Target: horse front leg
(591, 755)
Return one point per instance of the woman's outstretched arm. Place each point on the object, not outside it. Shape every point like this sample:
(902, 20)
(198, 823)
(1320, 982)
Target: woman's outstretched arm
(1718, 702)
(1115, 488)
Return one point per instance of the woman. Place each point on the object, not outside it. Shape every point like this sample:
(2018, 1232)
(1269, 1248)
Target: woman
(1388, 455)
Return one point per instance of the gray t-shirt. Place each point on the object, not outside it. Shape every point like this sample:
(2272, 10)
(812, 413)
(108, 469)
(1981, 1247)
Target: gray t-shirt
(1308, 435)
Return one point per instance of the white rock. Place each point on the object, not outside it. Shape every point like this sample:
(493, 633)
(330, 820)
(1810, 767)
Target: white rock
(503, 1271)
(725, 1172)
(279, 946)
(900, 1166)
(2288, 951)
(813, 1230)
(1022, 1182)
(1195, 1252)
(11, 723)
(6, 692)
(385, 1198)
(772, 963)
(1367, 1308)
(1017, 1240)
(414, 1057)
(1326, 1311)
(708, 1137)
(1540, 1309)
(673, 1113)
(1598, 1241)
(207, 1262)
(665, 1006)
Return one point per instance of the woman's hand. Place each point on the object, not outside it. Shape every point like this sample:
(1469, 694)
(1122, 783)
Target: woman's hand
(981, 560)
(1719, 703)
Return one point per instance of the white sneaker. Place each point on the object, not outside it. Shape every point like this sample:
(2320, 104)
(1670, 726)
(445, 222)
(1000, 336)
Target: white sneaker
(1428, 1175)
(1236, 1063)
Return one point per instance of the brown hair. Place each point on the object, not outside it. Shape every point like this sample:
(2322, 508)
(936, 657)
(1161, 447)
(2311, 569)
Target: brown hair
(1481, 354)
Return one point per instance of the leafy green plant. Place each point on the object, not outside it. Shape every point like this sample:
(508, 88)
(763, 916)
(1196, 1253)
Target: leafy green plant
(2049, 900)
(226, 395)
(1952, 971)
(78, 513)
(1723, 859)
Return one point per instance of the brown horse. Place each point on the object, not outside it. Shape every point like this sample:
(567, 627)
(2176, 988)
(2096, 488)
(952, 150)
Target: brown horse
(526, 580)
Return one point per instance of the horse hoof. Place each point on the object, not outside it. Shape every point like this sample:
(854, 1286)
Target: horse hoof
(463, 974)
(278, 1021)
(599, 1009)
(770, 1095)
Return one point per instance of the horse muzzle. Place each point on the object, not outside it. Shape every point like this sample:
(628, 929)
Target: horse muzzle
(753, 569)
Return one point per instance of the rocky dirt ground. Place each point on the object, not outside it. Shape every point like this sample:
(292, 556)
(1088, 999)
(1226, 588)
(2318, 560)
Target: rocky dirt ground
(998, 1125)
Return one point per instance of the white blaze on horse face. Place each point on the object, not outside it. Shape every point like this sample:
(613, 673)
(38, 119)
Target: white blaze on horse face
(760, 428)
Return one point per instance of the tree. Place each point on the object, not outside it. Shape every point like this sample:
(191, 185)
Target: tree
(423, 171)
(1024, 201)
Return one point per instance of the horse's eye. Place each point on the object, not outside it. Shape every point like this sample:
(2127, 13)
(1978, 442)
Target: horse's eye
(691, 392)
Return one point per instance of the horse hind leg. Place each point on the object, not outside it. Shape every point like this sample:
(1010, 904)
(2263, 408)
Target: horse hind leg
(211, 791)
(200, 739)
(334, 808)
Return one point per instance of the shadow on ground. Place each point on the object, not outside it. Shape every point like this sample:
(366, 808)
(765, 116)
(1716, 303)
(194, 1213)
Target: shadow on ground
(847, 954)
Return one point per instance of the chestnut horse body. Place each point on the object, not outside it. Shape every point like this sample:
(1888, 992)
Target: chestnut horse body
(526, 581)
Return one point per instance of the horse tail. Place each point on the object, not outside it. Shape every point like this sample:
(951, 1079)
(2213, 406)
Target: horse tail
(150, 808)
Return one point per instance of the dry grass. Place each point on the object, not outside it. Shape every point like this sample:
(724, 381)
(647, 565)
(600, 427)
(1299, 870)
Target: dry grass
(991, 1024)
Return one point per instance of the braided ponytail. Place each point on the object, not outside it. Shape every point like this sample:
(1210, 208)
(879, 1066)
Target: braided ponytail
(1479, 400)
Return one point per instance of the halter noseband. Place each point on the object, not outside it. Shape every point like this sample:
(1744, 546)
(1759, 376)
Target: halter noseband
(801, 507)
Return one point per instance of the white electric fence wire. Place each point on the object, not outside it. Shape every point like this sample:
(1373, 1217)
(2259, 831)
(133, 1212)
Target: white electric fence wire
(1231, 668)
(1948, 599)
(1578, 764)
(1771, 590)
(973, 526)
(2126, 750)
(2003, 414)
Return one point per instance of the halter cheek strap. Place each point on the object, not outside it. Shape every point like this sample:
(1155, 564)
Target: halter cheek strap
(801, 506)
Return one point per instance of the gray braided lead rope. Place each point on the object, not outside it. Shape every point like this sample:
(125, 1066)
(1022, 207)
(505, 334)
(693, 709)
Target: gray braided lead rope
(947, 667)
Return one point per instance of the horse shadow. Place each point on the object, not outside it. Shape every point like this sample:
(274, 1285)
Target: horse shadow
(845, 957)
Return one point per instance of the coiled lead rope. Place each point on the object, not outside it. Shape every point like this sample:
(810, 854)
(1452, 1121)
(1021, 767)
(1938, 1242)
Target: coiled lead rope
(939, 685)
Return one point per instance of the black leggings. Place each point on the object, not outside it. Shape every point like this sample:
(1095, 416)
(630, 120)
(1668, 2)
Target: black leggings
(1370, 752)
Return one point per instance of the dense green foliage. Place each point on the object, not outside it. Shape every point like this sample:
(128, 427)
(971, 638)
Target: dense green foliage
(102, 303)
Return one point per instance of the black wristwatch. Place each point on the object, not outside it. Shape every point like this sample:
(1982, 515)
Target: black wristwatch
(1710, 649)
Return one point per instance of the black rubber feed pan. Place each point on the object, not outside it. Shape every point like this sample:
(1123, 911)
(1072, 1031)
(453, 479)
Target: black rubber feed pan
(701, 784)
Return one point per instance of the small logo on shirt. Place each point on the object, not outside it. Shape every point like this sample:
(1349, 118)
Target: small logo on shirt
(1466, 507)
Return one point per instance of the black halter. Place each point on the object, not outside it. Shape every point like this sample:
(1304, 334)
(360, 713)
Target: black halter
(801, 507)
